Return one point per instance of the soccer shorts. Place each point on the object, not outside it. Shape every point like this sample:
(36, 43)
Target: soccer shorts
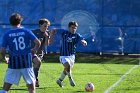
(69, 59)
(13, 76)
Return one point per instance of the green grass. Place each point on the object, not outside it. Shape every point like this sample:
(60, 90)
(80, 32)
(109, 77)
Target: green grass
(102, 75)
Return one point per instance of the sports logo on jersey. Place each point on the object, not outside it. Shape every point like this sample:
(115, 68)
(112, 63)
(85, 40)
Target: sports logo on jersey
(70, 39)
(73, 37)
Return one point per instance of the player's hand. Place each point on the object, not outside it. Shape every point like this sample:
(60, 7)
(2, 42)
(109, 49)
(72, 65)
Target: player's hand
(6, 60)
(46, 34)
(84, 43)
(51, 39)
(53, 31)
(34, 51)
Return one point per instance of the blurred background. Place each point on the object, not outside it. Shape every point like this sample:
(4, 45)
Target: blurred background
(109, 26)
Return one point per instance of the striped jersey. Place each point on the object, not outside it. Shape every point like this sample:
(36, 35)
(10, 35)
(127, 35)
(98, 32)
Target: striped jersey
(69, 42)
(18, 42)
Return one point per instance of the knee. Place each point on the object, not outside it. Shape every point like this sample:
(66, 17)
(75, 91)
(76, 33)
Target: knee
(37, 62)
(67, 68)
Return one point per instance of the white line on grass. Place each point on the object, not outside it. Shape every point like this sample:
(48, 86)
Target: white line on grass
(121, 78)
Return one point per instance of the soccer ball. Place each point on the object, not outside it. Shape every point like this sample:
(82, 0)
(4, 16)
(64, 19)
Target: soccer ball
(89, 87)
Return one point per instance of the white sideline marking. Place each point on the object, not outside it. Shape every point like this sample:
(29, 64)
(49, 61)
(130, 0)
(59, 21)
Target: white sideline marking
(121, 78)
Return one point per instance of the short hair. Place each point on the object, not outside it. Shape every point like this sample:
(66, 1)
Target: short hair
(15, 19)
(73, 23)
(44, 20)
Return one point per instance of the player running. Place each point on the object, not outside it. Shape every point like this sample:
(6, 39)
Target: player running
(17, 40)
(43, 35)
(68, 49)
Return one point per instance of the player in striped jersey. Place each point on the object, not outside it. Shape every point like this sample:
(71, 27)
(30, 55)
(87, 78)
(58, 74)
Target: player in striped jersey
(68, 49)
(18, 41)
(43, 35)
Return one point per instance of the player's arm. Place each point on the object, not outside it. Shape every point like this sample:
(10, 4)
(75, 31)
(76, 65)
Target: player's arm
(3, 55)
(84, 42)
(52, 32)
(37, 45)
(47, 38)
(3, 49)
(36, 41)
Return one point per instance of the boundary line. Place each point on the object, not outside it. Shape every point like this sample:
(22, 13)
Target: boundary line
(121, 78)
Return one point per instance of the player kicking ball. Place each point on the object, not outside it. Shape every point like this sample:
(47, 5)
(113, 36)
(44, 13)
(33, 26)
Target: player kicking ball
(69, 41)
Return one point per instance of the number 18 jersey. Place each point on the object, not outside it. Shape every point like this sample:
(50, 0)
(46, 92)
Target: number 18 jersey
(18, 42)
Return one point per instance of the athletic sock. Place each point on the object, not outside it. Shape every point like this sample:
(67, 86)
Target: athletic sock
(62, 76)
(72, 83)
(36, 70)
(69, 75)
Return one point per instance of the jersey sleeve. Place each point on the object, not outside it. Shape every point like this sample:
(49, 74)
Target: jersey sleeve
(34, 31)
(32, 35)
(80, 37)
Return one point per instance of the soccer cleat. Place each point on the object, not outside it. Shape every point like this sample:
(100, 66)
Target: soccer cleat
(72, 83)
(59, 82)
(37, 83)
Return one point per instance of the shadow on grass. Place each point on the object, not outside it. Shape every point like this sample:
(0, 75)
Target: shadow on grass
(41, 87)
(19, 89)
(46, 87)
(78, 91)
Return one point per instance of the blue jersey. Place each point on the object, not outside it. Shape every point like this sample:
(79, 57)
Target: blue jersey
(18, 42)
(69, 42)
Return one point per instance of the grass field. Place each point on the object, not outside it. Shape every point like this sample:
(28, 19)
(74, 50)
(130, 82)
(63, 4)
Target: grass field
(102, 75)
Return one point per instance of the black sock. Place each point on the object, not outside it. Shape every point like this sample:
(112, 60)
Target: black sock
(36, 70)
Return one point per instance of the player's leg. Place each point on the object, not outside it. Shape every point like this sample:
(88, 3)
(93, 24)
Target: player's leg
(12, 77)
(67, 62)
(6, 87)
(36, 67)
(63, 73)
(67, 67)
(31, 88)
(29, 78)
(61, 78)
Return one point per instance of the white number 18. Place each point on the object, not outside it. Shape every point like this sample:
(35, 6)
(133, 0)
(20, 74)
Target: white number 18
(19, 43)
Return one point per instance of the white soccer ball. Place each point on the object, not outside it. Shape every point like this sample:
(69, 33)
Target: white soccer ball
(89, 87)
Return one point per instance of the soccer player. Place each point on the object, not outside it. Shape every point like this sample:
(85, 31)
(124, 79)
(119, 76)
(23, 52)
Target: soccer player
(43, 35)
(18, 40)
(68, 49)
